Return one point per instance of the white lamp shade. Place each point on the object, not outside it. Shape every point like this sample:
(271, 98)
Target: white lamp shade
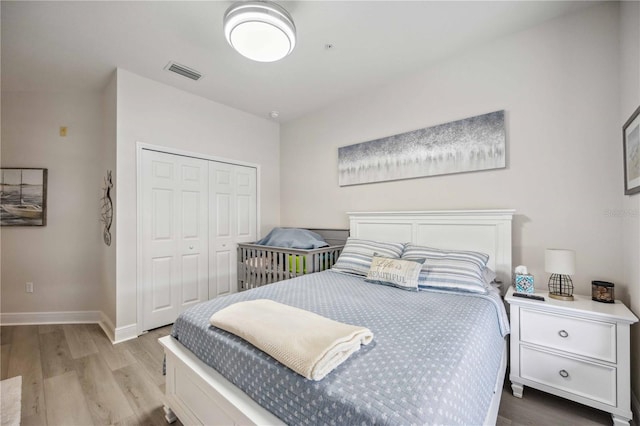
(560, 261)
(261, 31)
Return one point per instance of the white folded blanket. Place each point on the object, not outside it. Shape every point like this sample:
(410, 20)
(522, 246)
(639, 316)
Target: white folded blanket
(309, 344)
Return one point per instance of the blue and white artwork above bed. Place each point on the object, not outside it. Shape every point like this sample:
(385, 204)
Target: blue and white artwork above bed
(471, 144)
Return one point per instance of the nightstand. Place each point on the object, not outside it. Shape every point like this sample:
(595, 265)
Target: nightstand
(577, 350)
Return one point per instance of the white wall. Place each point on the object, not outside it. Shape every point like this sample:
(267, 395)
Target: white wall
(158, 114)
(629, 101)
(558, 85)
(108, 259)
(71, 267)
(62, 259)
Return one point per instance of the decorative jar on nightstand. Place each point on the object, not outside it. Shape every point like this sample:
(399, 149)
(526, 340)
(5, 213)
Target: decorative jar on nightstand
(577, 350)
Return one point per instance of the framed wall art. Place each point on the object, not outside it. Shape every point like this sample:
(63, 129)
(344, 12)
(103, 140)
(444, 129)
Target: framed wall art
(467, 145)
(23, 197)
(631, 148)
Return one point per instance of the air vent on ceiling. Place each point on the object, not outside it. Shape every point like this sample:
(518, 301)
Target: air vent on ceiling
(183, 71)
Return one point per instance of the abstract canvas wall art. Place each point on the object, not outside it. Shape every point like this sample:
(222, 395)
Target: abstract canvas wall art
(471, 144)
(23, 197)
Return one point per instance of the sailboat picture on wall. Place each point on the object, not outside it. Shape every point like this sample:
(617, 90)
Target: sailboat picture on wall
(23, 197)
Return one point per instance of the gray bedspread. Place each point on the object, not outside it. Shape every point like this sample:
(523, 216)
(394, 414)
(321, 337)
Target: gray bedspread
(434, 359)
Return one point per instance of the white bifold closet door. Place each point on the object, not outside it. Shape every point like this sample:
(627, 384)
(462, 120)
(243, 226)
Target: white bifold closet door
(194, 212)
(232, 203)
(175, 235)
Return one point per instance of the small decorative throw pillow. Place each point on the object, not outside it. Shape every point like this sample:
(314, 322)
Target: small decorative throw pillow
(395, 272)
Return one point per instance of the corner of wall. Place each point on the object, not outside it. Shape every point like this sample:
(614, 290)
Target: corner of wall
(125, 333)
(176, 119)
(108, 261)
(107, 326)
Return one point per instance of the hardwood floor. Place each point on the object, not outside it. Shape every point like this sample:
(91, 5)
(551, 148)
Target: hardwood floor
(73, 375)
(539, 408)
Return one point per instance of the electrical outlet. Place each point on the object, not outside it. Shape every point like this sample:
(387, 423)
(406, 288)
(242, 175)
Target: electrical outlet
(29, 288)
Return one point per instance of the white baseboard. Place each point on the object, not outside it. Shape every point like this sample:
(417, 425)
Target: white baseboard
(120, 334)
(116, 335)
(635, 409)
(127, 332)
(108, 327)
(36, 318)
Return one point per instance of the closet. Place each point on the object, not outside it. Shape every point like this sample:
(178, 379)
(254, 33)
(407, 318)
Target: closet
(194, 212)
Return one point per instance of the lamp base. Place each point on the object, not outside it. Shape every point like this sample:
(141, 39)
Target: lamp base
(560, 287)
(561, 296)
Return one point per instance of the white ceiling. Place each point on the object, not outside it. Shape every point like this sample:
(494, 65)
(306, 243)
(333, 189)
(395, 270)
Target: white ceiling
(56, 46)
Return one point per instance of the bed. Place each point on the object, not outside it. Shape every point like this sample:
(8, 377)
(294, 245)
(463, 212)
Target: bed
(421, 368)
(259, 265)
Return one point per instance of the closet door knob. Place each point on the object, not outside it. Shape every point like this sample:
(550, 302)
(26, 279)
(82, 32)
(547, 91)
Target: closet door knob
(564, 373)
(190, 247)
(563, 333)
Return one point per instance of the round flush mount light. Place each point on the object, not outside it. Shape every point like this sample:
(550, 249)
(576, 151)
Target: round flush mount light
(260, 30)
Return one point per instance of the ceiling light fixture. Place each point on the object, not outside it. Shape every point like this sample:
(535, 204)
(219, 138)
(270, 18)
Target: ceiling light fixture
(260, 30)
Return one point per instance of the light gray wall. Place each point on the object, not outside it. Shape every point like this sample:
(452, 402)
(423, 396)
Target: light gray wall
(71, 267)
(109, 126)
(158, 114)
(558, 83)
(62, 259)
(630, 213)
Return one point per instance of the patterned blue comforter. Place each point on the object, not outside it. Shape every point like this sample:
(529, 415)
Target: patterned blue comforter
(434, 358)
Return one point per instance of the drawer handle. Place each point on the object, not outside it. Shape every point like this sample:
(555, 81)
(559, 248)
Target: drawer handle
(563, 333)
(563, 373)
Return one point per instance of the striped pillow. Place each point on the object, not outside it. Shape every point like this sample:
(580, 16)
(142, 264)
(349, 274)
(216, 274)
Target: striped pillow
(449, 269)
(357, 255)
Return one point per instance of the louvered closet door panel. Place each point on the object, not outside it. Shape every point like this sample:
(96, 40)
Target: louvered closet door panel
(232, 203)
(174, 236)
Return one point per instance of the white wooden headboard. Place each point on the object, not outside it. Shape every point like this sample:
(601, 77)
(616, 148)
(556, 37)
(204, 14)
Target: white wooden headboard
(486, 231)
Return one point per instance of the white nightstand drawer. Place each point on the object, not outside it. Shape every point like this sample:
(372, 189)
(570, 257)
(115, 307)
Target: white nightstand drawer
(587, 379)
(594, 339)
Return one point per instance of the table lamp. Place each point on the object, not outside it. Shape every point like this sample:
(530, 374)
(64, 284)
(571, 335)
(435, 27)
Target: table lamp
(560, 263)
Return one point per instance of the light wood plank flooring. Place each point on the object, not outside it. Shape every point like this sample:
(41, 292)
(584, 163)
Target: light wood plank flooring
(73, 375)
(539, 408)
